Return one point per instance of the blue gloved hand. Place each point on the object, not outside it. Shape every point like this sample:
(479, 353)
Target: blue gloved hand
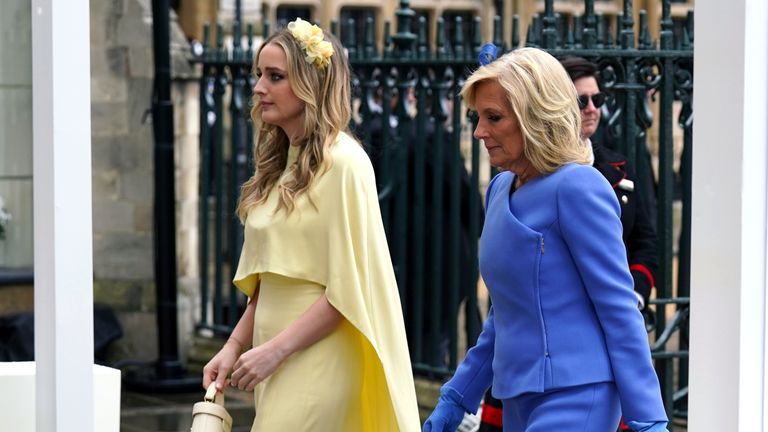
(637, 426)
(447, 414)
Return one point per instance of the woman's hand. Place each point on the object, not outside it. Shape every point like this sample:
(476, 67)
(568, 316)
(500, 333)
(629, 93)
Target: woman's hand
(221, 364)
(256, 365)
(448, 413)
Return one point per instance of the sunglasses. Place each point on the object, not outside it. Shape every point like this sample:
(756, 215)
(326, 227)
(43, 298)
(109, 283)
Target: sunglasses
(598, 99)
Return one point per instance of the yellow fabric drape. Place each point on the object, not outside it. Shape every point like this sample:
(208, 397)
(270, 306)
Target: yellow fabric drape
(341, 245)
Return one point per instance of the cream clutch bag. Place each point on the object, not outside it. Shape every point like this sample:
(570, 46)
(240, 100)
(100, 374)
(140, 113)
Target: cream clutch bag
(210, 414)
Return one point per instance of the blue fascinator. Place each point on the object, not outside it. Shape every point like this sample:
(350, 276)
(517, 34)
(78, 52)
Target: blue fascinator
(488, 53)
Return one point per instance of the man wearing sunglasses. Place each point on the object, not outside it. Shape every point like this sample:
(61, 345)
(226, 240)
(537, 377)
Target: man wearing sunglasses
(639, 233)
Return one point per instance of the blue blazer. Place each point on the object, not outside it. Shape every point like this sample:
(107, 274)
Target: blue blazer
(564, 312)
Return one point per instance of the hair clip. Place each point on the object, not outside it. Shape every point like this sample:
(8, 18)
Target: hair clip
(488, 53)
(318, 51)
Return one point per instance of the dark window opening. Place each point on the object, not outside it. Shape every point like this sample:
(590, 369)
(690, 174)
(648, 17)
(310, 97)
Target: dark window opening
(286, 14)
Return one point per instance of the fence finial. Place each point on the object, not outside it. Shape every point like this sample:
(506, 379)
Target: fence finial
(515, 31)
(589, 34)
(404, 39)
(665, 35)
(627, 33)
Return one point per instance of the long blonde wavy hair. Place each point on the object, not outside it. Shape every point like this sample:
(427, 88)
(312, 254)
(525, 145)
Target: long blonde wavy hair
(544, 100)
(326, 95)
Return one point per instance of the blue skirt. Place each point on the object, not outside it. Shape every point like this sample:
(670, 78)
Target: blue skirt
(585, 408)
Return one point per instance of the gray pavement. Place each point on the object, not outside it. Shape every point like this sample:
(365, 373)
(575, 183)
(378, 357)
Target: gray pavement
(172, 412)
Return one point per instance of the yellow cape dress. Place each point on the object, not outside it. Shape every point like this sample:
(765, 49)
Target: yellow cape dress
(339, 246)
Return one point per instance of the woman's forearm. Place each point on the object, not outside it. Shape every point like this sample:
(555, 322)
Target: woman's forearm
(243, 332)
(314, 324)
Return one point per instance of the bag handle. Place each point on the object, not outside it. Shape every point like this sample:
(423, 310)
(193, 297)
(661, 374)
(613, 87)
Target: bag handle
(211, 394)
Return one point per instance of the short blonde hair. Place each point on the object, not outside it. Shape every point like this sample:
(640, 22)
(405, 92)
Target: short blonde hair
(544, 100)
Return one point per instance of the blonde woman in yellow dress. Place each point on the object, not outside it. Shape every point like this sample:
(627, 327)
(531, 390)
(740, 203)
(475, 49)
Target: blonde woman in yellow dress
(322, 341)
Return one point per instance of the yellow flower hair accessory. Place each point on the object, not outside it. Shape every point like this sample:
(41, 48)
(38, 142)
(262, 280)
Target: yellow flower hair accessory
(310, 37)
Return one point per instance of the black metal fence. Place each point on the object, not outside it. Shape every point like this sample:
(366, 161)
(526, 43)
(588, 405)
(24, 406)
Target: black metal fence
(430, 173)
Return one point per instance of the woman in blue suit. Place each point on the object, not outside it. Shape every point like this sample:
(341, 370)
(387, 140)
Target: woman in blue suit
(564, 344)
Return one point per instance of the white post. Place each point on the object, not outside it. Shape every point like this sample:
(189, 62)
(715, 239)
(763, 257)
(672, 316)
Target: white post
(62, 215)
(728, 269)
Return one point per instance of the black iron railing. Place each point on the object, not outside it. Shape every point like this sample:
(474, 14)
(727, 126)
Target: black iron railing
(431, 175)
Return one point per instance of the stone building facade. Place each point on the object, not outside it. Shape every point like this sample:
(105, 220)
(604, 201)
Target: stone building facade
(122, 167)
(122, 142)
(122, 149)
(15, 155)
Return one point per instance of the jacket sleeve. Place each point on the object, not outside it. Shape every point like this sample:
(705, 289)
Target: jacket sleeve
(641, 248)
(475, 373)
(591, 227)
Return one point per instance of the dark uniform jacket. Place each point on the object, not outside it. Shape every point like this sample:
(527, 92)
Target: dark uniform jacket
(639, 234)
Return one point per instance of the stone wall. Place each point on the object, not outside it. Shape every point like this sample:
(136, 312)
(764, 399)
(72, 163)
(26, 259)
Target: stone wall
(187, 112)
(16, 132)
(122, 150)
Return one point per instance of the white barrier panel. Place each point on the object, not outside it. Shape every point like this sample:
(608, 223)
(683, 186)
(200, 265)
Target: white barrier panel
(17, 397)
